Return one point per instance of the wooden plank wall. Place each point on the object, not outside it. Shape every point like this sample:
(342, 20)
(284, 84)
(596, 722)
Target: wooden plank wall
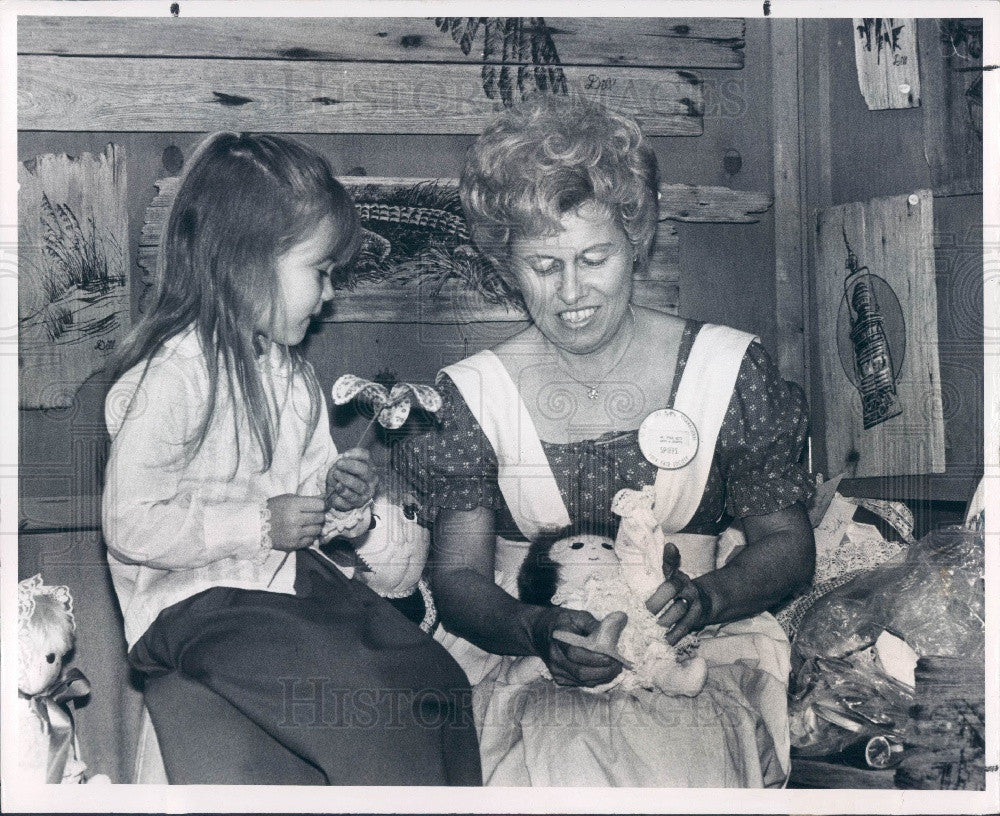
(379, 75)
(357, 75)
(856, 154)
(666, 42)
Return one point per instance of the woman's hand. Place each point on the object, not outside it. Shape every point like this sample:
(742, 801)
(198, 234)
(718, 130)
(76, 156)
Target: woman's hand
(351, 481)
(296, 521)
(679, 604)
(571, 665)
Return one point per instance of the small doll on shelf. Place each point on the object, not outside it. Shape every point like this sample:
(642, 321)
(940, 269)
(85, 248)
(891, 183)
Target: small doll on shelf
(48, 748)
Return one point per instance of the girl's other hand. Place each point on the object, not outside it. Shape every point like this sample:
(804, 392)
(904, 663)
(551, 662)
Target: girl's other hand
(572, 665)
(296, 521)
(351, 481)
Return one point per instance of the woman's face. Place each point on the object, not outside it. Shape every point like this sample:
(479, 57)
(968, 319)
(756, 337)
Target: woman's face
(577, 284)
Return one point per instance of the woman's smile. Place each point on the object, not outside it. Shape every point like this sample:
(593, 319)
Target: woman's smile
(578, 318)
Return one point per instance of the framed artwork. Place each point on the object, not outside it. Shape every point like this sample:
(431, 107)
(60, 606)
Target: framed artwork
(73, 292)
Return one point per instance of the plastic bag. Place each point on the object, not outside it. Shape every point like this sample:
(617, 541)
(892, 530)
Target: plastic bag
(933, 600)
(835, 703)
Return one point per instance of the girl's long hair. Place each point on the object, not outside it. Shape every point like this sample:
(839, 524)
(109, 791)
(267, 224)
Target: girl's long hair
(243, 200)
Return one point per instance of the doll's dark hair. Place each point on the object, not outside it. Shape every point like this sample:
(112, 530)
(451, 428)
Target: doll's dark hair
(536, 580)
(539, 574)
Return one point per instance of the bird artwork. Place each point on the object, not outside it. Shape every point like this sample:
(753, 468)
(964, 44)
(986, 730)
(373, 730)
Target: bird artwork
(519, 54)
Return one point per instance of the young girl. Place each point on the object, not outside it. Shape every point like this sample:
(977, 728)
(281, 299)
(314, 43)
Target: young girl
(261, 661)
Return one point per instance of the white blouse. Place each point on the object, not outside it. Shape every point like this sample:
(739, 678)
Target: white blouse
(175, 528)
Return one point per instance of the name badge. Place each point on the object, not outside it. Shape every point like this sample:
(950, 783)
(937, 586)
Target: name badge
(668, 438)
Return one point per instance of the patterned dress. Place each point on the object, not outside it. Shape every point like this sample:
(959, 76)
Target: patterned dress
(716, 739)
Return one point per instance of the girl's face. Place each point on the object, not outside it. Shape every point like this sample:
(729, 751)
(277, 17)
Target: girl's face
(577, 284)
(303, 278)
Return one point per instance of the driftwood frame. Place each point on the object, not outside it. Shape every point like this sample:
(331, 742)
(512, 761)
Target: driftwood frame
(455, 302)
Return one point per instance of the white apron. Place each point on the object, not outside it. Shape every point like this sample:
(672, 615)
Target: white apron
(516, 752)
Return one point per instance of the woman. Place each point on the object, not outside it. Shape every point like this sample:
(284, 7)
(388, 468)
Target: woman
(543, 430)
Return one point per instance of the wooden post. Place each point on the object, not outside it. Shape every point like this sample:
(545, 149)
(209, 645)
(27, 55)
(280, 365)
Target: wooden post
(791, 293)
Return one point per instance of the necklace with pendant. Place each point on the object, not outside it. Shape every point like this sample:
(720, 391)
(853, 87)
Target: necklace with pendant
(593, 391)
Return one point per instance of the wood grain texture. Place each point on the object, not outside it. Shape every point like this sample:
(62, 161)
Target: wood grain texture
(952, 104)
(894, 238)
(885, 52)
(653, 42)
(285, 96)
(712, 205)
(791, 312)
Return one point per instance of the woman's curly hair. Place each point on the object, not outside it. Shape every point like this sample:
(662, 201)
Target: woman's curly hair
(547, 156)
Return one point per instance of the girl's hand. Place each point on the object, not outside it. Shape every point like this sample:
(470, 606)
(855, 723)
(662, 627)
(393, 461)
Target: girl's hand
(351, 481)
(679, 604)
(571, 665)
(296, 521)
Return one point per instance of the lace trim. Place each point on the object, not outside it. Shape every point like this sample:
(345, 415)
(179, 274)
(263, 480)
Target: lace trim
(430, 611)
(265, 529)
(338, 522)
(31, 588)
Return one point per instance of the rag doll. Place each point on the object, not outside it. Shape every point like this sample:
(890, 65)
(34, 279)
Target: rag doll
(47, 746)
(584, 572)
(391, 556)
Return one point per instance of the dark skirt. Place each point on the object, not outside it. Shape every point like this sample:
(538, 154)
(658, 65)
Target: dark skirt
(332, 685)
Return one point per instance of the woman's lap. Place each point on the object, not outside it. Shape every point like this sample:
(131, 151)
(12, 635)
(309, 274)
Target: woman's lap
(533, 732)
(334, 673)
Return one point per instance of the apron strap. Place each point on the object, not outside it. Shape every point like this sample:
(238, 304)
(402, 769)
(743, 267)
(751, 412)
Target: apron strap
(524, 475)
(704, 393)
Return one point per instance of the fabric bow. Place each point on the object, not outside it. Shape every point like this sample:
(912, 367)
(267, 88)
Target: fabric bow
(52, 710)
(391, 407)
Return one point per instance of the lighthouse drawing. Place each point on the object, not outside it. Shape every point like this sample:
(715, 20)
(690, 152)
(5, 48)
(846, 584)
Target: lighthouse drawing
(873, 367)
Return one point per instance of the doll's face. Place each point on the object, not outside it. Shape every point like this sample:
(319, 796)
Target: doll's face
(583, 555)
(40, 663)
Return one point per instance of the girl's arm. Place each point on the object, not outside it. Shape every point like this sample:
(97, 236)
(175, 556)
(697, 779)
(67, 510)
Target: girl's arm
(147, 516)
(473, 606)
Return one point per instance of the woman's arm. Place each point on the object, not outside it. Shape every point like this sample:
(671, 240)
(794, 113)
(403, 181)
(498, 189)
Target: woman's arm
(779, 557)
(469, 601)
(473, 606)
